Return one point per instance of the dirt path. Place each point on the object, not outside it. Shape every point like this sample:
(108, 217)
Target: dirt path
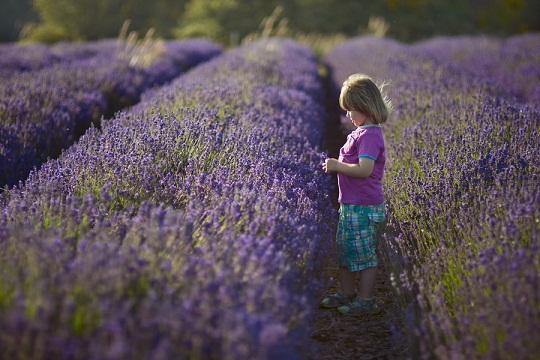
(369, 337)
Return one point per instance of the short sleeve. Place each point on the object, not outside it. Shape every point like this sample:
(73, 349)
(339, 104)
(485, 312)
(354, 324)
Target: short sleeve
(368, 146)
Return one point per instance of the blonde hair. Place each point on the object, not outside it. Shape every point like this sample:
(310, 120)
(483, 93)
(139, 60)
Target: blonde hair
(360, 93)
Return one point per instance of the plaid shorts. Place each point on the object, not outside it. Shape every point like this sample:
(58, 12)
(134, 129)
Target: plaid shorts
(356, 238)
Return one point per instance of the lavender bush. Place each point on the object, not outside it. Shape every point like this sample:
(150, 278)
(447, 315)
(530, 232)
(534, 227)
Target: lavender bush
(510, 65)
(45, 110)
(190, 226)
(462, 238)
(16, 58)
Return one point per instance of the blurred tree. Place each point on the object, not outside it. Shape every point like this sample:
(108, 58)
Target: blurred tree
(413, 19)
(88, 19)
(229, 21)
(95, 19)
(408, 20)
(332, 16)
(502, 17)
(14, 15)
(222, 19)
(164, 16)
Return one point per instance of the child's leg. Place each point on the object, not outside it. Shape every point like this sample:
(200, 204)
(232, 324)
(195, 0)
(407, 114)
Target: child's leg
(347, 292)
(365, 302)
(347, 280)
(367, 282)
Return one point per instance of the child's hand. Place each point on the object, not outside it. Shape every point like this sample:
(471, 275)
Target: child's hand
(329, 165)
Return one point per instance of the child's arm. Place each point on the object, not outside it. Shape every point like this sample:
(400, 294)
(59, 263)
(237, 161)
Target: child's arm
(363, 168)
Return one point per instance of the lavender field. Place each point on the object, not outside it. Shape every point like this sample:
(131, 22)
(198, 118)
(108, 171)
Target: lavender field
(195, 223)
(462, 239)
(50, 95)
(190, 226)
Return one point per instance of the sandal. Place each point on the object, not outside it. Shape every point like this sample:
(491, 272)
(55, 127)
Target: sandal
(337, 300)
(360, 306)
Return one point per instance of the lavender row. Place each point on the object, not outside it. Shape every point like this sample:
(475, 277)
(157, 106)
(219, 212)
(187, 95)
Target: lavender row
(191, 226)
(16, 58)
(463, 201)
(46, 110)
(509, 65)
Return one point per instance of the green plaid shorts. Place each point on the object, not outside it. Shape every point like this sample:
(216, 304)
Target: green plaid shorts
(356, 237)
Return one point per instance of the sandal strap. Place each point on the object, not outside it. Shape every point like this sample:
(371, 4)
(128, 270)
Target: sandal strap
(361, 304)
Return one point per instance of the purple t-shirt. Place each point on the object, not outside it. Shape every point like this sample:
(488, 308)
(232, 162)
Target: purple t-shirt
(365, 141)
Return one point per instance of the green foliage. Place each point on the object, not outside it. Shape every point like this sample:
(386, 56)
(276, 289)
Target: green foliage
(85, 316)
(221, 19)
(7, 293)
(225, 21)
(80, 21)
(164, 16)
(47, 33)
(230, 21)
(509, 15)
(414, 19)
(91, 20)
(14, 14)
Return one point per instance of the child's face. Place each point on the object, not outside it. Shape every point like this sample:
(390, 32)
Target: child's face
(357, 118)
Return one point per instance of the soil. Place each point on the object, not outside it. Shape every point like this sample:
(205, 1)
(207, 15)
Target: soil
(367, 337)
(370, 336)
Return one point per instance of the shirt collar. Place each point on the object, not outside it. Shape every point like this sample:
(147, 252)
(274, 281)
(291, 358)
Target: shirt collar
(368, 125)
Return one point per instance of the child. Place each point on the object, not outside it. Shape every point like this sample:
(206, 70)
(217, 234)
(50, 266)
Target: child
(360, 169)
